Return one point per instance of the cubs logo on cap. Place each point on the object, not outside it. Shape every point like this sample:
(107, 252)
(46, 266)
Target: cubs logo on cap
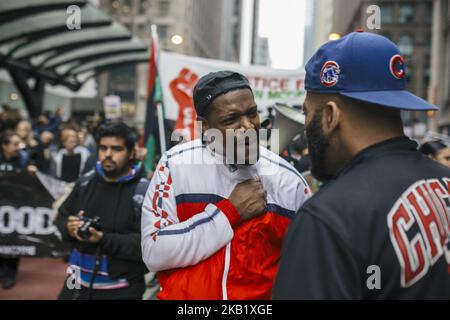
(329, 75)
(363, 66)
(397, 67)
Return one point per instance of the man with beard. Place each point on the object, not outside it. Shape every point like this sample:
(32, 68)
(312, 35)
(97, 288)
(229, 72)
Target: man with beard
(379, 227)
(106, 262)
(217, 209)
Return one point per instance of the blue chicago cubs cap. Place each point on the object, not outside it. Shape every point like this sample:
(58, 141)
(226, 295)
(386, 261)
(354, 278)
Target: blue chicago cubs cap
(363, 66)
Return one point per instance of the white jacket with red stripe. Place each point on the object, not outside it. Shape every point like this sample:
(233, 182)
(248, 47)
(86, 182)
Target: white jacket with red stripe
(194, 237)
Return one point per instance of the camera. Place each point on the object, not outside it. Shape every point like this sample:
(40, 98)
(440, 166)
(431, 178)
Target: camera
(84, 232)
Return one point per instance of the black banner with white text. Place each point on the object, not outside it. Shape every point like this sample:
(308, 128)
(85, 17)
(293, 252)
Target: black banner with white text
(26, 218)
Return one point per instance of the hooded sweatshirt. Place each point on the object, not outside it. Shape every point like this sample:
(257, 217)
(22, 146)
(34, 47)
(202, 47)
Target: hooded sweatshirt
(119, 250)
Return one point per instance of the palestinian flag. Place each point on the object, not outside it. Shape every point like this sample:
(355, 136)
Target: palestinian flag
(154, 96)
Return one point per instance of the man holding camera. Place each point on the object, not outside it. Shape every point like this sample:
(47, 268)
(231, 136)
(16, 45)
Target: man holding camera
(101, 218)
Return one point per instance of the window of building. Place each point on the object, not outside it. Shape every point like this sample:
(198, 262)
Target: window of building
(163, 31)
(144, 5)
(429, 12)
(387, 13)
(410, 85)
(406, 13)
(164, 7)
(427, 76)
(387, 35)
(126, 10)
(428, 45)
(409, 75)
(122, 82)
(237, 8)
(143, 30)
(406, 45)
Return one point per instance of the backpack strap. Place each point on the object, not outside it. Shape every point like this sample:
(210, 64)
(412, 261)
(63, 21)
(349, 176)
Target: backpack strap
(23, 159)
(85, 179)
(139, 194)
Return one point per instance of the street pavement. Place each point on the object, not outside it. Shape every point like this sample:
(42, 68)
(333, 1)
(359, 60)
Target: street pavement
(37, 279)
(43, 278)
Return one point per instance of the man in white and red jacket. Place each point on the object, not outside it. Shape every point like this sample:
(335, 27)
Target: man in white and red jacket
(213, 227)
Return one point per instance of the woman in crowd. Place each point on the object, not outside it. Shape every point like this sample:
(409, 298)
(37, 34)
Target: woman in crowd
(72, 160)
(25, 133)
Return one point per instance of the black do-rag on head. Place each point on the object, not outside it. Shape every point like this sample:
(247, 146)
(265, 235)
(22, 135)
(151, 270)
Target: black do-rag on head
(215, 84)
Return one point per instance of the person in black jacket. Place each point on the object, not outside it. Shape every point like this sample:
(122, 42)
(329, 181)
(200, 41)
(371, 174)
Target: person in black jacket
(106, 263)
(40, 155)
(12, 159)
(379, 228)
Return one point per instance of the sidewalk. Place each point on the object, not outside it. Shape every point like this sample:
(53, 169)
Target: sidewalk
(43, 278)
(38, 279)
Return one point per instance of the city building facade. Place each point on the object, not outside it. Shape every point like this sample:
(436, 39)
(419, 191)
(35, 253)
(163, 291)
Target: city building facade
(408, 23)
(203, 28)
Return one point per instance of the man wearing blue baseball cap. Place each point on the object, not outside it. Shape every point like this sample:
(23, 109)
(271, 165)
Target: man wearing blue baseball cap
(379, 228)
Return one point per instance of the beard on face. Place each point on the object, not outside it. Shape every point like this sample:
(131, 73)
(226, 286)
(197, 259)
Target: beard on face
(317, 145)
(117, 171)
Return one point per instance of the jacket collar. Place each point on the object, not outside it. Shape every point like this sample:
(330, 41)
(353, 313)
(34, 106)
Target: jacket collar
(393, 144)
(133, 175)
(221, 159)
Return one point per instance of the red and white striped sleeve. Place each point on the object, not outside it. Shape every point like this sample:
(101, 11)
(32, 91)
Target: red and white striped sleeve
(168, 243)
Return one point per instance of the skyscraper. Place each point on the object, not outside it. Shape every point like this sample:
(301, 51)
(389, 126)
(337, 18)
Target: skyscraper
(204, 28)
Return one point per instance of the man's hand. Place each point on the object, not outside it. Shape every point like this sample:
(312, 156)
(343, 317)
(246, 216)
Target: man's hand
(249, 198)
(141, 153)
(73, 224)
(95, 236)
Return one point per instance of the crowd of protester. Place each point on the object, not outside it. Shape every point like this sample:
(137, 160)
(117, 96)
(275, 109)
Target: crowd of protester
(64, 149)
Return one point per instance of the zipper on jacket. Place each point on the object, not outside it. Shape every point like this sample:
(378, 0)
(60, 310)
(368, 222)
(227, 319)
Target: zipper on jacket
(225, 271)
(117, 207)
